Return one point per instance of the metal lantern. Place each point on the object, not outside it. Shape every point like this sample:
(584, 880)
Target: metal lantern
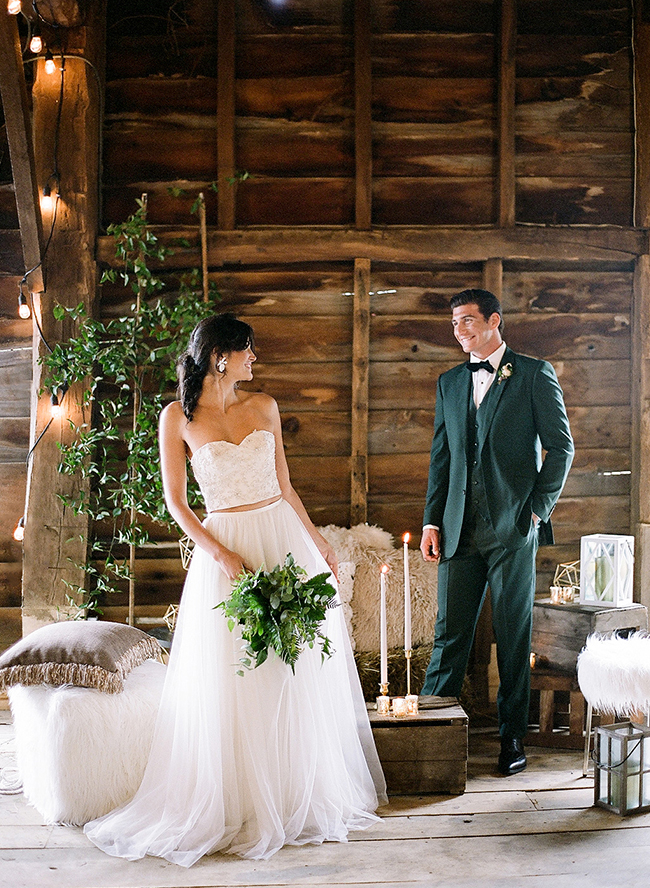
(606, 569)
(622, 768)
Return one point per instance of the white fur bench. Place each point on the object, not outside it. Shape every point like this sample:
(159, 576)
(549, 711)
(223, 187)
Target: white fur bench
(82, 752)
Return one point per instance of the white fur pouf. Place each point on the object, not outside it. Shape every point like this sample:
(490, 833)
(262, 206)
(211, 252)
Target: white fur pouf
(614, 673)
(82, 752)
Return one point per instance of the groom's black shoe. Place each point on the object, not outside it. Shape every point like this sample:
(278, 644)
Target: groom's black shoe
(512, 758)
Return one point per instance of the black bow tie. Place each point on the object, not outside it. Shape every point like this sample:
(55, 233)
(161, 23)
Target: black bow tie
(480, 365)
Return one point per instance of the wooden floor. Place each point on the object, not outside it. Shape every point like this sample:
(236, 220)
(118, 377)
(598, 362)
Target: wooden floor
(537, 829)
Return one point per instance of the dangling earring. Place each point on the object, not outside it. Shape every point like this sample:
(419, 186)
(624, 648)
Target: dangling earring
(221, 364)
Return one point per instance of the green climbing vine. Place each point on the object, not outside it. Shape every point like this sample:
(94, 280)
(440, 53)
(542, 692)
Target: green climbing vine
(126, 365)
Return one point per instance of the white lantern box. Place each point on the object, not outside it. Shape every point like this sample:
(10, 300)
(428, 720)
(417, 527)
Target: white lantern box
(606, 569)
(622, 768)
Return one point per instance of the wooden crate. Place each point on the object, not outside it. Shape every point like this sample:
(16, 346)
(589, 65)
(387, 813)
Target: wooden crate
(425, 753)
(560, 630)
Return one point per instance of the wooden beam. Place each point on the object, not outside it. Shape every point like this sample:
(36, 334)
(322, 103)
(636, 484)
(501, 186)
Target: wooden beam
(10, 247)
(226, 114)
(493, 277)
(363, 114)
(427, 245)
(360, 370)
(642, 117)
(640, 490)
(18, 124)
(506, 112)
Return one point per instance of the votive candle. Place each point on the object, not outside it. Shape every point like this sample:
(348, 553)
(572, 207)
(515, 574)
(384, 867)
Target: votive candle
(399, 707)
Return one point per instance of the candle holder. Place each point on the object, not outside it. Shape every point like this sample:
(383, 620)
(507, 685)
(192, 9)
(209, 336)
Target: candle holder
(412, 704)
(400, 709)
(383, 700)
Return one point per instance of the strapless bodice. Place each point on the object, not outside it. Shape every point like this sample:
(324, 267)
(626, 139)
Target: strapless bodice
(232, 475)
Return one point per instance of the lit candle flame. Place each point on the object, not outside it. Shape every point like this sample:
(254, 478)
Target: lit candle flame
(406, 538)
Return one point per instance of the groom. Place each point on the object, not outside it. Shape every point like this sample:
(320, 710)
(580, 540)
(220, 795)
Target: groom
(489, 500)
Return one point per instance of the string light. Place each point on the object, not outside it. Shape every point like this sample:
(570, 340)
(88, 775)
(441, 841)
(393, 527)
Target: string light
(19, 530)
(14, 7)
(56, 407)
(36, 43)
(50, 67)
(46, 200)
(24, 311)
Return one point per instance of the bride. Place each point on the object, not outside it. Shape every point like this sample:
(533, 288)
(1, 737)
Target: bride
(244, 764)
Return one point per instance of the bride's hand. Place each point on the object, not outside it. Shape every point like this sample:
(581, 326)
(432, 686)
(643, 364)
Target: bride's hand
(329, 555)
(230, 563)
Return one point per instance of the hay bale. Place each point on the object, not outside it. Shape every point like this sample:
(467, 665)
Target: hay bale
(367, 548)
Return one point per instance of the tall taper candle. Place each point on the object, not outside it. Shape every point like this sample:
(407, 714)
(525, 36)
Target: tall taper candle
(383, 632)
(407, 594)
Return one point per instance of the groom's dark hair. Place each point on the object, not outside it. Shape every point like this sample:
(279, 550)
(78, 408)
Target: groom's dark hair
(487, 303)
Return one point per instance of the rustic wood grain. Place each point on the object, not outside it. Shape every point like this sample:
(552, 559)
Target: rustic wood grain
(360, 373)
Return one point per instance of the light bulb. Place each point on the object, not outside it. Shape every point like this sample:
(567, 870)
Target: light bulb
(24, 310)
(50, 67)
(56, 407)
(36, 44)
(19, 530)
(46, 199)
(14, 7)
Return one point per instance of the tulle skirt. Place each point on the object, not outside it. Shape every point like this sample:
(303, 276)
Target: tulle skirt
(247, 764)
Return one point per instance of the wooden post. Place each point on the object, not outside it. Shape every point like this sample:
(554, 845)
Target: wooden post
(55, 538)
(362, 115)
(18, 125)
(642, 110)
(640, 499)
(506, 112)
(493, 276)
(360, 371)
(226, 114)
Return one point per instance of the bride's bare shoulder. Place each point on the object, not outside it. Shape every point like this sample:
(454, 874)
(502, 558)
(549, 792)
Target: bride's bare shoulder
(258, 401)
(172, 416)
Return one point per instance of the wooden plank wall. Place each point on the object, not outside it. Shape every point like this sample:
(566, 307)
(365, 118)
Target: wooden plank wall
(15, 394)
(436, 120)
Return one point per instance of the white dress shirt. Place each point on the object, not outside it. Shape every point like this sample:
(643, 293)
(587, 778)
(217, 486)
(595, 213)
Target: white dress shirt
(483, 379)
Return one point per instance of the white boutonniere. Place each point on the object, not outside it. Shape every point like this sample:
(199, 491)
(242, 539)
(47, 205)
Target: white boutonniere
(504, 373)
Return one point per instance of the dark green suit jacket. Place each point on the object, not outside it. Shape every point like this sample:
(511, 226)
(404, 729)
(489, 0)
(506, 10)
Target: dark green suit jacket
(524, 414)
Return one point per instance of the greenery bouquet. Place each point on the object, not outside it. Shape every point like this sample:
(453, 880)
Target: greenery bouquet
(280, 609)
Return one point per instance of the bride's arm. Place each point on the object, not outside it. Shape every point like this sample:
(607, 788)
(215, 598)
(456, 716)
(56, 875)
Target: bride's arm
(173, 464)
(290, 495)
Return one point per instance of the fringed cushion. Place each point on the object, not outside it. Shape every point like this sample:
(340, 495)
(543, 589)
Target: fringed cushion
(87, 654)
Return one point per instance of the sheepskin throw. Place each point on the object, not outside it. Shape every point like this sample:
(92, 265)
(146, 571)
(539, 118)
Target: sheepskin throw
(88, 654)
(614, 673)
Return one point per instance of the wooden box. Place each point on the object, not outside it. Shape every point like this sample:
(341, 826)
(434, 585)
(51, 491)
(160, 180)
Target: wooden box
(426, 752)
(560, 630)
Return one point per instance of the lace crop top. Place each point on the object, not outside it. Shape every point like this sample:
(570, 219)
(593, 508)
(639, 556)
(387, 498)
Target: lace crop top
(237, 474)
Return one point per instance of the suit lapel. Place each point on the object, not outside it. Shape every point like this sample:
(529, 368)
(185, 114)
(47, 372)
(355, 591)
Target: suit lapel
(461, 394)
(493, 397)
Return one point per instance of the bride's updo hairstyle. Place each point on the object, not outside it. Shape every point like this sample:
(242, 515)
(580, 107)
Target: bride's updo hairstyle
(222, 333)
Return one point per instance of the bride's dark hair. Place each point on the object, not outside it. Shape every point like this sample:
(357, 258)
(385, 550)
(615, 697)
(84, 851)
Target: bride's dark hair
(222, 333)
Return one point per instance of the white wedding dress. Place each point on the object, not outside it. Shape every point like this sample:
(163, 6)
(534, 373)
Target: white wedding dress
(247, 764)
